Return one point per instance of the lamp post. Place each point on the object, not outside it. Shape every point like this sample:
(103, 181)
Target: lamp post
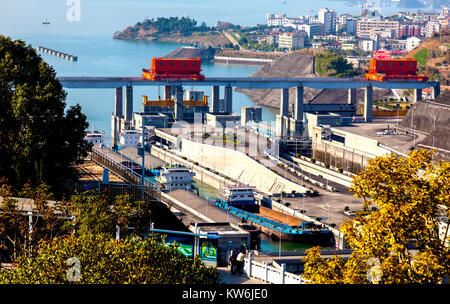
(143, 159)
(279, 244)
(328, 217)
(434, 128)
(303, 209)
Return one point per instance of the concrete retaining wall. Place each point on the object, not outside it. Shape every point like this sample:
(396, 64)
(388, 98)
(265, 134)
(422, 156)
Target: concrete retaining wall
(201, 174)
(240, 167)
(324, 172)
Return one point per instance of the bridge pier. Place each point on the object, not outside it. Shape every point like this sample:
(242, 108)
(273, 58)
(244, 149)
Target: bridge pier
(282, 119)
(179, 109)
(436, 91)
(417, 95)
(117, 116)
(368, 103)
(214, 106)
(298, 110)
(351, 96)
(228, 96)
(284, 103)
(167, 92)
(118, 102)
(128, 106)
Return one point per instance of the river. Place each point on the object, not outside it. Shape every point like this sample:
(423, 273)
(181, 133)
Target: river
(104, 56)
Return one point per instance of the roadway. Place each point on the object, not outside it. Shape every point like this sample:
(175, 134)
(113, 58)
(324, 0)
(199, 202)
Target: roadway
(242, 82)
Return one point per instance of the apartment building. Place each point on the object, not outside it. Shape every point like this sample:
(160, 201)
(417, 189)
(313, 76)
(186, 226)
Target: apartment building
(386, 28)
(432, 27)
(311, 30)
(412, 43)
(292, 40)
(328, 18)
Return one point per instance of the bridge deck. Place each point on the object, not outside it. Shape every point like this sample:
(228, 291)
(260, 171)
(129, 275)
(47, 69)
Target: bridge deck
(244, 82)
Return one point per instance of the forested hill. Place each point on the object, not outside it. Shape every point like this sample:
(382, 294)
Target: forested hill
(155, 28)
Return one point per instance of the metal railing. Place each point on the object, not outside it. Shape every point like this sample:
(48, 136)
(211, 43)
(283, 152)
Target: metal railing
(151, 191)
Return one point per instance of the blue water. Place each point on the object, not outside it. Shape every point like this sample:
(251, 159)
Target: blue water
(104, 56)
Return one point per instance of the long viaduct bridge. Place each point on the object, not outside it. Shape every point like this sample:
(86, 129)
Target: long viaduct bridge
(286, 126)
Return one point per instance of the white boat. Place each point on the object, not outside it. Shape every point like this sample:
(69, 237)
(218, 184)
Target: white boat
(174, 177)
(239, 196)
(95, 137)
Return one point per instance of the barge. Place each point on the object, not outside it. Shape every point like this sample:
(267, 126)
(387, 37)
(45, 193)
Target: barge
(239, 201)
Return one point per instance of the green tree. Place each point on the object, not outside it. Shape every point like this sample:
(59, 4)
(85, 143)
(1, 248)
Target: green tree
(38, 139)
(104, 260)
(413, 195)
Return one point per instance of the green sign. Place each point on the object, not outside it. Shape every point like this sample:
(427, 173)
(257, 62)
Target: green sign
(208, 250)
(185, 249)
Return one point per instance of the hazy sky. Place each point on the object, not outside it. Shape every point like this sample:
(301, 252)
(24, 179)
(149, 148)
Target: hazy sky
(104, 17)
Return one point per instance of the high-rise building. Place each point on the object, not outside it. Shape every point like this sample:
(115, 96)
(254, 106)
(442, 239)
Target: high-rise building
(328, 19)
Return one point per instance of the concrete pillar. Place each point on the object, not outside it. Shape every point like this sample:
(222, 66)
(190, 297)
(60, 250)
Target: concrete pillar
(417, 95)
(129, 103)
(368, 103)
(298, 109)
(214, 106)
(436, 91)
(351, 96)
(118, 102)
(228, 96)
(178, 111)
(115, 130)
(167, 92)
(284, 103)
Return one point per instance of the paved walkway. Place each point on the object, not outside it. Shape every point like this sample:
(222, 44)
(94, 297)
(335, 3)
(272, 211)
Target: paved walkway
(229, 278)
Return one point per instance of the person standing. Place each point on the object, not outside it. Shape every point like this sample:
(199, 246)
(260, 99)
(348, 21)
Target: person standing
(240, 262)
(233, 259)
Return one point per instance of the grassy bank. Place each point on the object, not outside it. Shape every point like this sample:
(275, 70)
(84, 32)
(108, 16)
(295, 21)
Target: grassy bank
(422, 56)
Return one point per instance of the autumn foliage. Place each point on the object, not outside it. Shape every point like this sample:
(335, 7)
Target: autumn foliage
(401, 242)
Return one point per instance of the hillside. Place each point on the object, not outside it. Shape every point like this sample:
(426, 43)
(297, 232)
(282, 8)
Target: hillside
(174, 29)
(300, 64)
(433, 56)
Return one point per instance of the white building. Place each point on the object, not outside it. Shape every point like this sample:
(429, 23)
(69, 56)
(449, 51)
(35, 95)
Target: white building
(292, 40)
(340, 38)
(367, 45)
(412, 43)
(176, 177)
(129, 138)
(282, 20)
(432, 27)
(386, 28)
(328, 18)
(310, 29)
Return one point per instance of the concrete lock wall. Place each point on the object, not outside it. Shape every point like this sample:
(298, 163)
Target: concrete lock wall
(201, 174)
(348, 155)
(239, 166)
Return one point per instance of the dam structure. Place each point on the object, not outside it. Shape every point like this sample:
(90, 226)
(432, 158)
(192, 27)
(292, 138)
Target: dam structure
(287, 127)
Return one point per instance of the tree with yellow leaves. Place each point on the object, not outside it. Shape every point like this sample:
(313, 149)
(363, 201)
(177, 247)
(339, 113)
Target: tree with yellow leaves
(400, 243)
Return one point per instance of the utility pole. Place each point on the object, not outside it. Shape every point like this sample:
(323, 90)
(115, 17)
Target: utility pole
(434, 128)
(143, 158)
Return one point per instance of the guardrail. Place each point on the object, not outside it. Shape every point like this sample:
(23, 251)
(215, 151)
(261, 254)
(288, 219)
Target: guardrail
(268, 273)
(298, 173)
(124, 172)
